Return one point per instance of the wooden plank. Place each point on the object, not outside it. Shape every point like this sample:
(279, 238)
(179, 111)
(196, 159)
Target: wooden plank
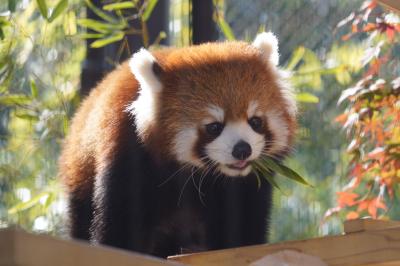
(24, 249)
(392, 4)
(375, 247)
(359, 225)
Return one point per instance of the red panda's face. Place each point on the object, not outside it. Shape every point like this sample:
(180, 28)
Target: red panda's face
(215, 106)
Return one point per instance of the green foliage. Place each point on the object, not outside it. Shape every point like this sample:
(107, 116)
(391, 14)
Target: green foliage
(116, 22)
(39, 75)
(265, 166)
(371, 119)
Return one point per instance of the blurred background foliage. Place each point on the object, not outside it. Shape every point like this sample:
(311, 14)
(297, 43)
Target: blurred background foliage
(41, 52)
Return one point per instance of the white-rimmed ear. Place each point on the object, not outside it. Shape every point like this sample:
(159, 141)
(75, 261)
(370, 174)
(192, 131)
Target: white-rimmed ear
(143, 66)
(147, 71)
(267, 43)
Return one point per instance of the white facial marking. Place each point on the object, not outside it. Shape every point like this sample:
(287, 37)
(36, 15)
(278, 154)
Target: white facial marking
(279, 131)
(220, 149)
(183, 146)
(252, 109)
(144, 108)
(267, 43)
(216, 112)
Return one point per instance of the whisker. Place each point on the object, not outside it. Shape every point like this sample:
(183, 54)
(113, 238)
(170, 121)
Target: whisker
(183, 188)
(174, 174)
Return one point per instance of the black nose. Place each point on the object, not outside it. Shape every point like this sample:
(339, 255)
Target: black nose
(241, 150)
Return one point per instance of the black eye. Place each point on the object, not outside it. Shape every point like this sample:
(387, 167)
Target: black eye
(214, 129)
(256, 123)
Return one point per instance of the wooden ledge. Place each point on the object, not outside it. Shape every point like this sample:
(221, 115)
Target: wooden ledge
(376, 245)
(23, 249)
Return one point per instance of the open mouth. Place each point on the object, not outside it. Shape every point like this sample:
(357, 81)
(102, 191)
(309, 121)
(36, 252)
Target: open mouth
(240, 165)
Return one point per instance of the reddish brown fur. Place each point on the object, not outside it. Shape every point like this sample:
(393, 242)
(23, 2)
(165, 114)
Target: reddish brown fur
(229, 75)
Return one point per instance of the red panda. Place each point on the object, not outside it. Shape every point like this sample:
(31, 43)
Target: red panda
(158, 157)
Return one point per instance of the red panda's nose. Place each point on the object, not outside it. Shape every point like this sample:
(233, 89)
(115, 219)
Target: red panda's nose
(241, 150)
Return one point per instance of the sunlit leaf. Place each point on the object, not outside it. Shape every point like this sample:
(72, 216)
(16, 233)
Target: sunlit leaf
(99, 26)
(100, 12)
(226, 29)
(103, 42)
(14, 99)
(343, 77)
(161, 36)
(60, 7)
(91, 35)
(297, 55)
(120, 5)
(151, 4)
(306, 97)
(34, 89)
(42, 8)
(27, 204)
(70, 27)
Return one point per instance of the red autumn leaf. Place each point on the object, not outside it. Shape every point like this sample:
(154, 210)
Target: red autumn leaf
(357, 170)
(374, 205)
(346, 37)
(346, 198)
(390, 32)
(352, 215)
(363, 205)
(372, 210)
(341, 118)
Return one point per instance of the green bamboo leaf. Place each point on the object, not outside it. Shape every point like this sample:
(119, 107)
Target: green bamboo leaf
(14, 99)
(27, 204)
(306, 97)
(283, 170)
(27, 116)
(266, 173)
(91, 35)
(60, 7)
(226, 29)
(151, 4)
(99, 26)
(34, 89)
(103, 42)
(296, 57)
(50, 199)
(70, 24)
(42, 8)
(120, 5)
(100, 12)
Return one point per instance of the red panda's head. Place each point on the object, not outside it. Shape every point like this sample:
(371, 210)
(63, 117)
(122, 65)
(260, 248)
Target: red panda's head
(218, 105)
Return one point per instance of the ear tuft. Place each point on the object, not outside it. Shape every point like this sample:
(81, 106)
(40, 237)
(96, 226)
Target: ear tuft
(267, 43)
(142, 65)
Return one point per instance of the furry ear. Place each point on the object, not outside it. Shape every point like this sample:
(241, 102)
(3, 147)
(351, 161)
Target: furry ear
(267, 43)
(146, 70)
